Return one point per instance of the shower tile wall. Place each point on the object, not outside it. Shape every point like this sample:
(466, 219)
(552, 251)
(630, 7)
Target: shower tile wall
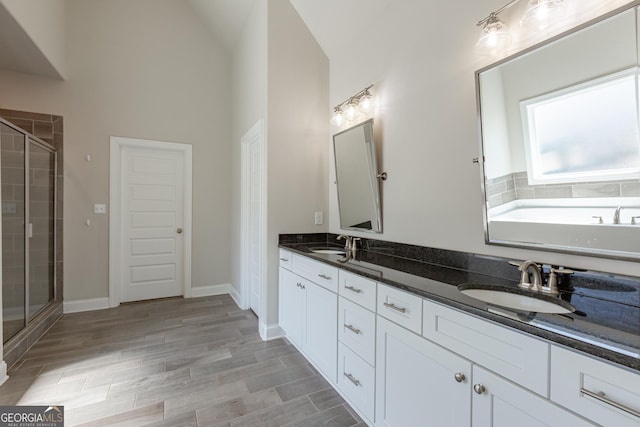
(48, 128)
(13, 284)
(514, 186)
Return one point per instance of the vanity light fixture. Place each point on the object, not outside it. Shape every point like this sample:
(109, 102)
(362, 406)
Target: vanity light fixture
(349, 109)
(542, 13)
(338, 116)
(495, 38)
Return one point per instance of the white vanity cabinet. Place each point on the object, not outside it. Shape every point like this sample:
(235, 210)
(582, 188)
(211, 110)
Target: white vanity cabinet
(607, 394)
(500, 403)
(403, 361)
(419, 383)
(309, 311)
(357, 341)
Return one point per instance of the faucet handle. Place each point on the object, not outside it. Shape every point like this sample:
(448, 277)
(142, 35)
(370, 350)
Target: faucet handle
(552, 286)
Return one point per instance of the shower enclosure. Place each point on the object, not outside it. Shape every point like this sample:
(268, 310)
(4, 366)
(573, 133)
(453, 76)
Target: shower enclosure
(28, 169)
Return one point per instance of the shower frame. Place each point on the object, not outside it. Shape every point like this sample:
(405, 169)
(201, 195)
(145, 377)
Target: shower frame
(31, 139)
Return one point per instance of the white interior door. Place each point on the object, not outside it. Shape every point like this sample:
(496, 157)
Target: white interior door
(152, 222)
(254, 226)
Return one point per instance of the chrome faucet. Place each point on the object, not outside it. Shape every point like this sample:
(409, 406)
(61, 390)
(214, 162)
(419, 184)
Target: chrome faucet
(524, 277)
(348, 242)
(350, 245)
(616, 215)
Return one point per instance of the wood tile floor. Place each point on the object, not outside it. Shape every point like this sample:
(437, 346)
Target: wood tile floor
(176, 362)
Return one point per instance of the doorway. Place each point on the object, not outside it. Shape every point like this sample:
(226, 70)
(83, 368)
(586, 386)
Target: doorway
(253, 183)
(150, 220)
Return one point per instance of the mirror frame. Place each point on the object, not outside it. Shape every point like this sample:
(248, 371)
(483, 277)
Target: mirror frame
(573, 250)
(373, 176)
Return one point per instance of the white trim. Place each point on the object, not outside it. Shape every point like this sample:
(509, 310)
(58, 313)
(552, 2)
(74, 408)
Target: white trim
(209, 290)
(255, 135)
(270, 332)
(85, 305)
(115, 232)
(3, 372)
(235, 296)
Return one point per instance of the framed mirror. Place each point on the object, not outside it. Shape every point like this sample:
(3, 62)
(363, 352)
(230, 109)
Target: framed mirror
(357, 178)
(560, 141)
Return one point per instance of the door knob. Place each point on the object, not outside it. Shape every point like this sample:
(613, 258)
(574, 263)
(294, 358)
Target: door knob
(179, 230)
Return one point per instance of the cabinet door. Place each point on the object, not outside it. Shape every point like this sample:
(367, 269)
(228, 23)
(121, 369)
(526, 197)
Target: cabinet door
(291, 306)
(500, 403)
(321, 334)
(416, 381)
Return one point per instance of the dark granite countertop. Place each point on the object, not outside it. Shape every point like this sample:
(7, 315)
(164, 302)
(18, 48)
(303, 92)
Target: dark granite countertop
(606, 322)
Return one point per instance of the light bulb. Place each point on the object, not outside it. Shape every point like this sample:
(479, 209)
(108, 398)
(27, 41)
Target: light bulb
(366, 102)
(541, 14)
(338, 117)
(351, 112)
(495, 38)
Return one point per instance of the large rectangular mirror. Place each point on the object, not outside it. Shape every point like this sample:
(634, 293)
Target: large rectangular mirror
(356, 178)
(561, 142)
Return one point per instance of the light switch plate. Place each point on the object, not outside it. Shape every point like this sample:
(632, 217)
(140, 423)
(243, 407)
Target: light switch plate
(99, 208)
(318, 218)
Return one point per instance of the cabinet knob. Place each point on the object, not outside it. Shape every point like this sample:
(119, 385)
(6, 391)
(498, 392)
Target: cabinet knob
(479, 388)
(460, 377)
(179, 231)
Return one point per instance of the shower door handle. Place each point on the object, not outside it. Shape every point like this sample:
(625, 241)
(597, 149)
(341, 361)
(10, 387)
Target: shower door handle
(30, 230)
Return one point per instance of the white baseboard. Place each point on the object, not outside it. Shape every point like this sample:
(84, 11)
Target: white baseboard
(235, 296)
(270, 332)
(85, 305)
(210, 290)
(3, 372)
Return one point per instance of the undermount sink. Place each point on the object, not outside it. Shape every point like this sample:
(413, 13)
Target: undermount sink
(328, 250)
(517, 299)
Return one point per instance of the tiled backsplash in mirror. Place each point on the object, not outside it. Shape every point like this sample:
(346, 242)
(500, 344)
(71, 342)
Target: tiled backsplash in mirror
(515, 186)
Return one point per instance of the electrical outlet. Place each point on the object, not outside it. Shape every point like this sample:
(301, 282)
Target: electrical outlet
(318, 218)
(99, 208)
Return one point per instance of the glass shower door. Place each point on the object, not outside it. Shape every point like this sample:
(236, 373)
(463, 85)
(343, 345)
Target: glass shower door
(41, 227)
(12, 166)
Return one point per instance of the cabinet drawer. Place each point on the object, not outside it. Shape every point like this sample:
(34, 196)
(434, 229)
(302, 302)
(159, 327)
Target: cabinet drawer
(401, 307)
(599, 391)
(357, 329)
(518, 357)
(323, 274)
(357, 289)
(356, 379)
(285, 259)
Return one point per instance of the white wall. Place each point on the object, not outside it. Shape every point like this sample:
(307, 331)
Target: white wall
(249, 105)
(45, 23)
(281, 75)
(144, 69)
(297, 131)
(421, 57)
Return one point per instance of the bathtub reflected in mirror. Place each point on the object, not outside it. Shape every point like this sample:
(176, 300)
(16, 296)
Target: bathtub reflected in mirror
(561, 142)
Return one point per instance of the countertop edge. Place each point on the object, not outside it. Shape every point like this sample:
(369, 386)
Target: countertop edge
(589, 349)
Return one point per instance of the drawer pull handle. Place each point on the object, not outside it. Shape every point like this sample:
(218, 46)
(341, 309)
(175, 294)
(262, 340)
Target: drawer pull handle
(300, 285)
(601, 397)
(324, 276)
(352, 379)
(459, 377)
(479, 388)
(395, 307)
(352, 289)
(352, 329)
(284, 259)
